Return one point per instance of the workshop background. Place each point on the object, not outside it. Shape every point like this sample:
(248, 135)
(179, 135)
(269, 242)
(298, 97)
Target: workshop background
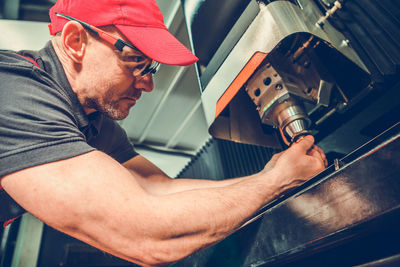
(169, 127)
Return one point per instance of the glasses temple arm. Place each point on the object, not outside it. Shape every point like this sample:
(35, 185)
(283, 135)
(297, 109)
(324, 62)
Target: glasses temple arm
(84, 24)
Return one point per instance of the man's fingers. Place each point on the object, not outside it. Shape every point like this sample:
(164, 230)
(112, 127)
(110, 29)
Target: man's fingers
(305, 143)
(321, 152)
(317, 153)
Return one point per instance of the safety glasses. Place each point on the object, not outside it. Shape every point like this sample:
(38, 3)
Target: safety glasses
(118, 43)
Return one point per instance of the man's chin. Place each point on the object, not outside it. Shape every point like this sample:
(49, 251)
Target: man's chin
(118, 114)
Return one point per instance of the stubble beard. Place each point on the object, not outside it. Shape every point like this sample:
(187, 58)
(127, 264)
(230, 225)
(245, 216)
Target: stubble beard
(107, 107)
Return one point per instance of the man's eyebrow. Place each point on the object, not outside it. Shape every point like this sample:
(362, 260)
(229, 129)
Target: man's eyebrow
(133, 53)
(141, 57)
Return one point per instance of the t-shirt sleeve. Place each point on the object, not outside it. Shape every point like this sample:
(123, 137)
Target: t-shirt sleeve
(37, 124)
(113, 140)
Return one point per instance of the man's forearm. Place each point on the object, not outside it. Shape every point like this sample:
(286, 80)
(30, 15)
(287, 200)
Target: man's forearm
(182, 184)
(163, 185)
(155, 182)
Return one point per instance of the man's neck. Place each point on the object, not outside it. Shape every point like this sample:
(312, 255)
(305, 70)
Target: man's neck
(70, 73)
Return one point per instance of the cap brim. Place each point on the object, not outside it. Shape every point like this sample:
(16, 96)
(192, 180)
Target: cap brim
(158, 44)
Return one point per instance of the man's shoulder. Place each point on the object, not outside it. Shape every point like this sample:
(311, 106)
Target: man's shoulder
(9, 58)
(21, 74)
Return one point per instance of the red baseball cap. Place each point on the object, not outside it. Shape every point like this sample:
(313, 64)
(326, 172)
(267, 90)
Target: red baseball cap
(140, 21)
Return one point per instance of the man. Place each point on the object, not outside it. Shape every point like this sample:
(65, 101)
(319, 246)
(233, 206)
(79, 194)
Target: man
(57, 108)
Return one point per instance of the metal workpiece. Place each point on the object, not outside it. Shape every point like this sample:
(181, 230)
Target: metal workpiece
(289, 117)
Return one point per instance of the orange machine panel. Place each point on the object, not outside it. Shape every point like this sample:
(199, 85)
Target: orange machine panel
(239, 81)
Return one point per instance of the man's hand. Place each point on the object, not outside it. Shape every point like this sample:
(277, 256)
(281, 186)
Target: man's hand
(297, 164)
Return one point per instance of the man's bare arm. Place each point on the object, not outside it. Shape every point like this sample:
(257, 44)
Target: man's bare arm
(95, 199)
(156, 182)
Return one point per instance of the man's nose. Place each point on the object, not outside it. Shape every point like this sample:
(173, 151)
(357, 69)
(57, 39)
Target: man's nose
(146, 83)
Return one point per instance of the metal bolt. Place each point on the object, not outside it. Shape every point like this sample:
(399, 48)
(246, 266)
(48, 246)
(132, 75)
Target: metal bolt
(345, 43)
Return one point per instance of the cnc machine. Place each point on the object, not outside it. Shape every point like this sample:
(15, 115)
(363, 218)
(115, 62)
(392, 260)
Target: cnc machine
(273, 71)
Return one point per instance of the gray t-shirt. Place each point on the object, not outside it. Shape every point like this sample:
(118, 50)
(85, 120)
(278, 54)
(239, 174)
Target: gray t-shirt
(42, 121)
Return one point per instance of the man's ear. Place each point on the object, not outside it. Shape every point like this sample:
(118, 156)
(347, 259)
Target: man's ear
(74, 40)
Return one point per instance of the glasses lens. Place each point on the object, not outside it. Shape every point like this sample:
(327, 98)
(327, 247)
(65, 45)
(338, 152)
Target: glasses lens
(153, 68)
(143, 65)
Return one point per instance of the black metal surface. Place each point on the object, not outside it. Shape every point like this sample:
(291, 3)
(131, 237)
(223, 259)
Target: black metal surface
(362, 190)
(370, 147)
(373, 29)
(389, 261)
(209, 22)
(214, 28)
(362, 244)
